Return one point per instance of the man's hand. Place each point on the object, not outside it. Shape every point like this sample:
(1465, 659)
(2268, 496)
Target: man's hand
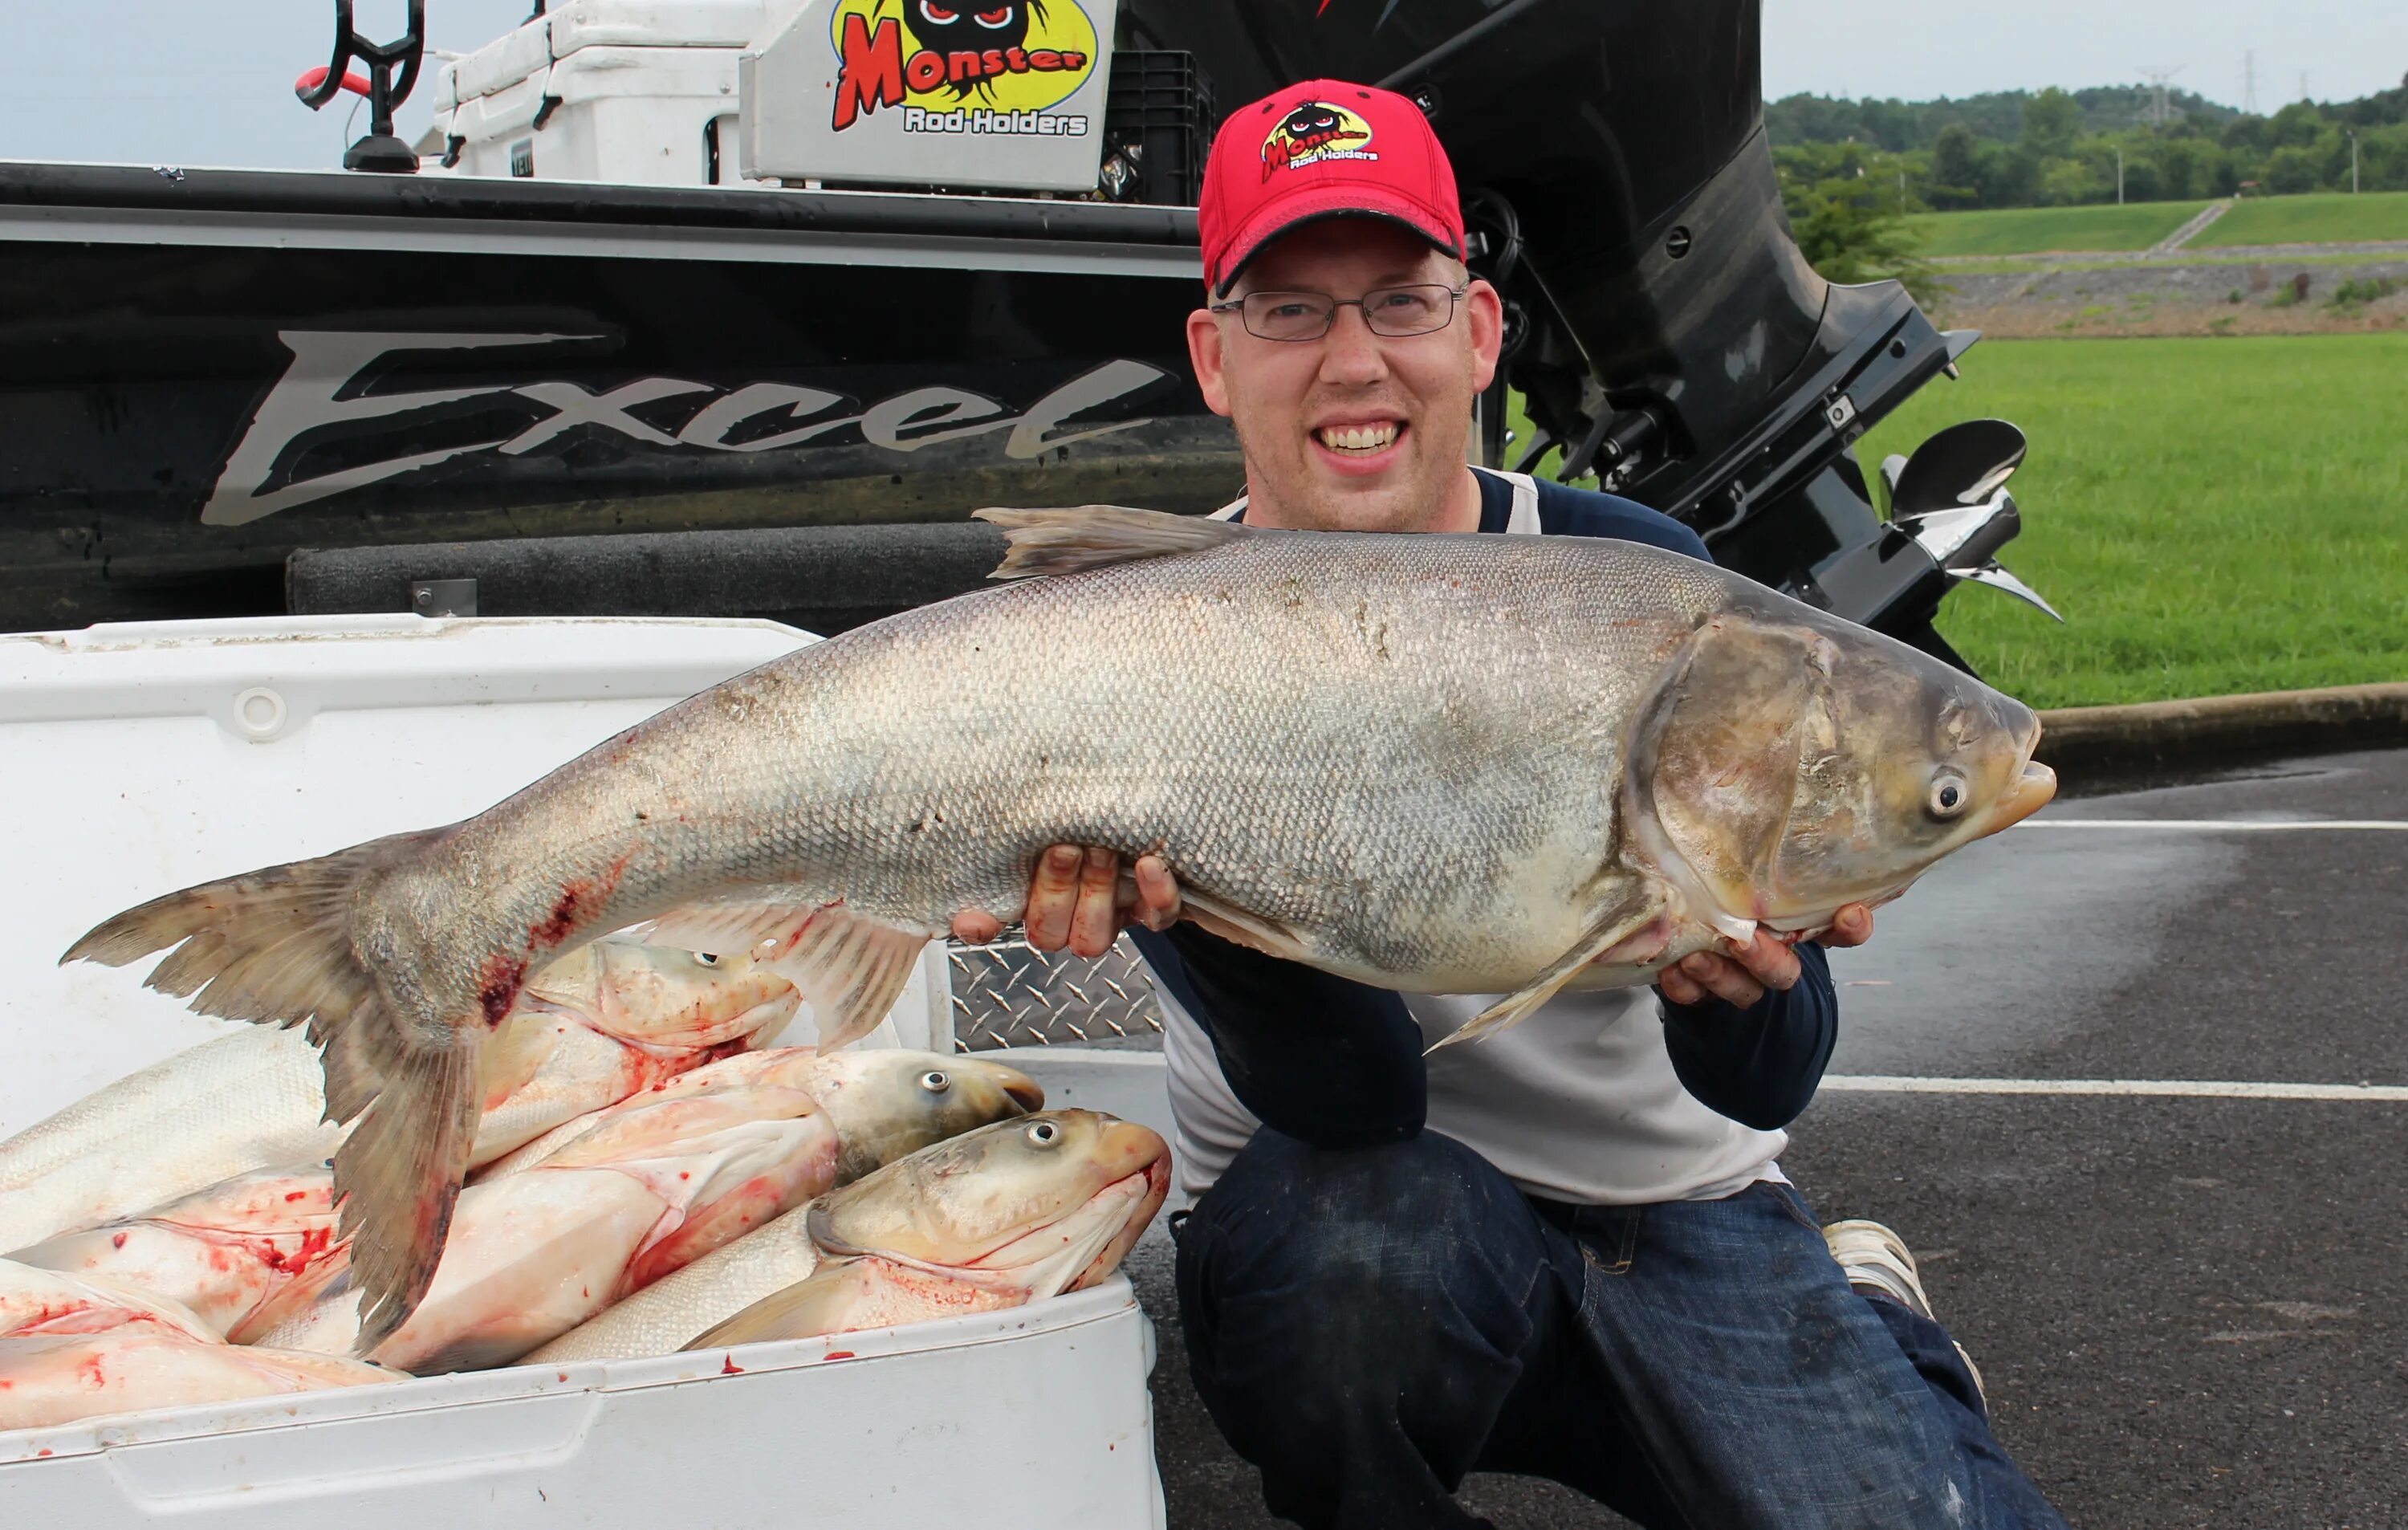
(1077, 899)
(1764, 962)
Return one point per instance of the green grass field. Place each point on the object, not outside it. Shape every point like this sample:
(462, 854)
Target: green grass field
(2320, 217)
(2212, 516)
(2023, 231)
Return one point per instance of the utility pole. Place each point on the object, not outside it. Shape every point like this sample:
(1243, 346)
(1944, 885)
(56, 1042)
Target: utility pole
(2353, 173)
(2249, 82)
(2353, 161)
(2119, 175)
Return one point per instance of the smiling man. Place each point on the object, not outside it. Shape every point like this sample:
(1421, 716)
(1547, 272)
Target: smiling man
(1568, 1249)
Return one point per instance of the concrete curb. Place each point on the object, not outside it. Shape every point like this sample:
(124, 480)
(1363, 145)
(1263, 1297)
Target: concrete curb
(2217, 730)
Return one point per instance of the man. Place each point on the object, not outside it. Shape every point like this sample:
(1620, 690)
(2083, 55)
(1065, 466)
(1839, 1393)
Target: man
(1568, 1249)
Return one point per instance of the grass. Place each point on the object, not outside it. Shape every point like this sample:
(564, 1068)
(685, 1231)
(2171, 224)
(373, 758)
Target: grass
(2023, 231)
(2318, 217)
(2213, 516)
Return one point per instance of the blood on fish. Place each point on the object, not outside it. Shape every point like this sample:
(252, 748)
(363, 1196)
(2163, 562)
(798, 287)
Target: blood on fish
(296, 1195)
(838, 1354)
(497, 986)
(118, 1241)
(731, 1367)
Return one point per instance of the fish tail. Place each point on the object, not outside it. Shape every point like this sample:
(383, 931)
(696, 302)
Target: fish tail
(273, 946)
(398, 1178)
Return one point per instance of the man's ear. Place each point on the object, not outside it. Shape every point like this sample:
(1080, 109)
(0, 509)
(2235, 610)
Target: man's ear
(1485, 312)
(1204, 354)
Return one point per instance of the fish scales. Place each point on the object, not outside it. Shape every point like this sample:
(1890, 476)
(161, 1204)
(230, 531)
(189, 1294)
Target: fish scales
(1295, 727)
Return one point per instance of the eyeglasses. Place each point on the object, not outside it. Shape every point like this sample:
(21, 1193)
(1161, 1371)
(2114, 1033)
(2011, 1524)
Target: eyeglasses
(1393, 311)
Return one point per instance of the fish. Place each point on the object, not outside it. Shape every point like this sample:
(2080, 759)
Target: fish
(1435, 764)
(55, 1379)
(653, 1184)
(884, 1103)
(35, 1301)
(236, 1253)
(994, 1219)
(603, 1021)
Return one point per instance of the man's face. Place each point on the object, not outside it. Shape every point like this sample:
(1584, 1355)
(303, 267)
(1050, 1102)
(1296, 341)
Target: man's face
(1354, 431)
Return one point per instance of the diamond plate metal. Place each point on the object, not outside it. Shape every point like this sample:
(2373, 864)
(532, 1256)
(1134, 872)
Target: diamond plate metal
(1007, 994)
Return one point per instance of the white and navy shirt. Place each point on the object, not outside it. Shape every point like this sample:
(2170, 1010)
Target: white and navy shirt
(1612, 1098)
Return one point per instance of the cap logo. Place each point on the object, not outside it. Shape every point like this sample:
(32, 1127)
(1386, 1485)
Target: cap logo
(1313, 132)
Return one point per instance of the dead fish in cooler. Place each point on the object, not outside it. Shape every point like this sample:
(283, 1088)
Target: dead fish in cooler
(653, 1184)
(604, 1022)
(1076, 1187)
(53, 1378)
(233, 1254)
(998, 1218)
(884, 1104)
(533, 1255)
(34, 1301)
(1680, 756)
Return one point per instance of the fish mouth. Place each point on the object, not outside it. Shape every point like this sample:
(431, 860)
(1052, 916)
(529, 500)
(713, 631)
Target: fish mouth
(2033, 788)
(1026, 1093)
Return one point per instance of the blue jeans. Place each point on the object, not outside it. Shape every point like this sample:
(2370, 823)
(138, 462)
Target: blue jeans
(1367, 1326)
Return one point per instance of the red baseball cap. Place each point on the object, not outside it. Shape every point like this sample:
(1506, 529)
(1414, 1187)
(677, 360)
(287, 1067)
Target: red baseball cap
(1323, 148)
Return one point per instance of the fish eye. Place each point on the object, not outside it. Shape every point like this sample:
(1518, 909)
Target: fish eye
(1043, 1134)
(1948, 797)
(934, 1082)
(703, 958)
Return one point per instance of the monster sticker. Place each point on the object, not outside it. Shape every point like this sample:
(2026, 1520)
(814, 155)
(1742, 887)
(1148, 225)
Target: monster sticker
(1010, 59)
(1315, 132)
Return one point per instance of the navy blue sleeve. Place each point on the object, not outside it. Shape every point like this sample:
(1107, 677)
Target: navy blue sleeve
(1567, 511)
(1759, 1065)
(1325, 1060)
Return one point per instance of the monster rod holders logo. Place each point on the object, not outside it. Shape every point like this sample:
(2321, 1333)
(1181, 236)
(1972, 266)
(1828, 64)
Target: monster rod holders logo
(322, 400)
(1014, 58)
(1313, 132)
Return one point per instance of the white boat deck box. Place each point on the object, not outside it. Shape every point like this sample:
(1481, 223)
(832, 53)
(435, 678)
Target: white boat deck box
(635, 92)
(141, 758)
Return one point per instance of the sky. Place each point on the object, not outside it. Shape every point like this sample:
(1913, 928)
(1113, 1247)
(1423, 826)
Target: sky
(210, 82)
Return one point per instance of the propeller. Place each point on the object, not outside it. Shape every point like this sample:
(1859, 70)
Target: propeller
(1951, 498)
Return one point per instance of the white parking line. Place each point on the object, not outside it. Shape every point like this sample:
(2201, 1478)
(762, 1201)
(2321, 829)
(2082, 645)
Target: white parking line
(2216, 825)
(2202, 1089)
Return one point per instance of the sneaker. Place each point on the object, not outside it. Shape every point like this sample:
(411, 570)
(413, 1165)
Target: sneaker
(1877, 1262)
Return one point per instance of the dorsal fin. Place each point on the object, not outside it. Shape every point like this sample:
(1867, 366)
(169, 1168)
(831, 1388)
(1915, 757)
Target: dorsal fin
(1087, 537)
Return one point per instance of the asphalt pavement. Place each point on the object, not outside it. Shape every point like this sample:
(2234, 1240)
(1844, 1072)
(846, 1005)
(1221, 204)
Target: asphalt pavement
(2190, 1311)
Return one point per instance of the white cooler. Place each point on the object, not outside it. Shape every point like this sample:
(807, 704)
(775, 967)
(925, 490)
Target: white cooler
(144, 757)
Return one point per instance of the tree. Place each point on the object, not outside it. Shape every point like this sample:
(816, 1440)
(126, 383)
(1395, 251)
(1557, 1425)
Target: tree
(1848, 233)
(1956, 167)
(2051, 120)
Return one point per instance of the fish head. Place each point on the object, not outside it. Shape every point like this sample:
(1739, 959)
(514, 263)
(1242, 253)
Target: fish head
(1045, 1202)
(1799, 763)
(889, 1101)
(665, 996)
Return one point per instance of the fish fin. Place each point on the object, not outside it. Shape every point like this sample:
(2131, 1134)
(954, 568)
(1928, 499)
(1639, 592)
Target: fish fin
(1239, 927)
(399, 1176)
(273, 946)
(819, 1303)
(849, 969)
(1624, 921)
(1067, 542)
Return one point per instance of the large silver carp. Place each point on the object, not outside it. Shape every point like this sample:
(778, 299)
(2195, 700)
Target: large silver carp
(1441, 764)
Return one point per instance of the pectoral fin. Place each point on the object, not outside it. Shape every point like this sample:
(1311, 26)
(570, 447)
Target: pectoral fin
(849, 969)
(1625, 920)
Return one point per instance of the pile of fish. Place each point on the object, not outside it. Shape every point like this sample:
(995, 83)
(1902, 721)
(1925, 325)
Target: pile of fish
(627, 1138)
